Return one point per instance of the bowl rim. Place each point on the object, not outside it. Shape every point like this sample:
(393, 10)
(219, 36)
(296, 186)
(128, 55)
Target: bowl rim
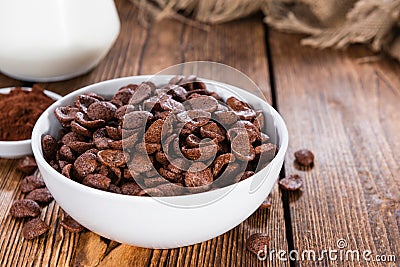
(50, 94)
(37, 135)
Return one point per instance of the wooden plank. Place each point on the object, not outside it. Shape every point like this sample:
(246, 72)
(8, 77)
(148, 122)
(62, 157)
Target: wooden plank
(53, 249)
(239, 44)
(347, 113)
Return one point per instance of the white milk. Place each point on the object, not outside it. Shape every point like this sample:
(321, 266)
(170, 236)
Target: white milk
(48, 40)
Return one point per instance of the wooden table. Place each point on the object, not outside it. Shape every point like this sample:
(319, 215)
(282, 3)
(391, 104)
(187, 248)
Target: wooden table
(344, 111)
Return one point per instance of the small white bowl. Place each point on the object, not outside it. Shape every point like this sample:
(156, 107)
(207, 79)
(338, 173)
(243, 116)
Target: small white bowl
(16, 149)
(159, 222)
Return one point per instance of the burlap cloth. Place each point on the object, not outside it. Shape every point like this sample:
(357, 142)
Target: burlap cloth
(328, 23)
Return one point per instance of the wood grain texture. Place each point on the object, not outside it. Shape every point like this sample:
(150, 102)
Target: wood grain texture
(239, 44)
(140, 50)
(53, 249)
(344, 111)
(347, 113)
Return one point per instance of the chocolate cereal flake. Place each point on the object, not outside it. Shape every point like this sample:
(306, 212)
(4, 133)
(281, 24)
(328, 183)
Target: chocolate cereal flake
(85, 164)
(258, 243)
(97, 181)
(84, 101)
(112, 157)
(34, 228)
(81, 147)
(49, 147)
(70, 224)
(198, 175)
(24, 208)
(130, 188)
(66, 171)
(83, 119)
(71, 137)
(206, 103)
(40, 195)
(76, 127)
(136, 119)
(242, 149)
(142, 92)
(304, 157)
(65, 153)
(241, 108)
(153, 134)
(102, 110)
(245, 175)
(65, 114)
(291, 183)
(266, 204)
(30, 183)
(27, 165)
(221, 161)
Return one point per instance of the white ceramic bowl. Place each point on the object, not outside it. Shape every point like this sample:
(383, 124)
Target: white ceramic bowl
(16, 149)
(162, 222)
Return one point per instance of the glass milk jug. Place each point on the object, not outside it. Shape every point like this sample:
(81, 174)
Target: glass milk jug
(51, 40)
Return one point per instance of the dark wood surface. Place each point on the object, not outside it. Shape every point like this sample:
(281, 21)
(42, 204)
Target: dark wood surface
(346, 112)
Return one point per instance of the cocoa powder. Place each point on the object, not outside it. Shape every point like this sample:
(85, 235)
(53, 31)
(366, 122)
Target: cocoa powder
(19, 111)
